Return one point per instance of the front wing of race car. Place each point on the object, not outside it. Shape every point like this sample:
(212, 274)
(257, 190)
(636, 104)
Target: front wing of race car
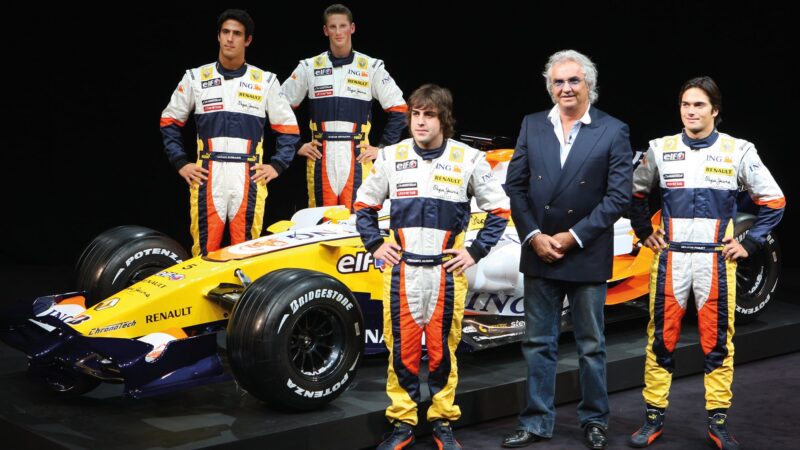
(160, 333)
(67, 360)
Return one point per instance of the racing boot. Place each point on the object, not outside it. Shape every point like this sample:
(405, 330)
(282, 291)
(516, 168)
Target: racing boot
(402, 436)
(652, 428)
(718, 430)
(443, 436)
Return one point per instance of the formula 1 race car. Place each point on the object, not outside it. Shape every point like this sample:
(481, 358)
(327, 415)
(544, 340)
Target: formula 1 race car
(300, 307)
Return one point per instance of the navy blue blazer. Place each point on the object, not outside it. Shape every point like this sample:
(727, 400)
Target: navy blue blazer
(588, 194)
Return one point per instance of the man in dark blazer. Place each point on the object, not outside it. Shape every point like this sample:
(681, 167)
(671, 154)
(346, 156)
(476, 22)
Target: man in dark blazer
(569, 181)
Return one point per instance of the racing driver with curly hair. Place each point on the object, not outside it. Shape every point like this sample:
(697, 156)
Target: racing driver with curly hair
(430, 181)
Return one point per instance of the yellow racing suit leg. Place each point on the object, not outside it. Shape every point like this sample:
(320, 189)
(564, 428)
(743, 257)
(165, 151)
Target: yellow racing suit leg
(667, 308)
(715, 321)
(442, 336)
(403, 339)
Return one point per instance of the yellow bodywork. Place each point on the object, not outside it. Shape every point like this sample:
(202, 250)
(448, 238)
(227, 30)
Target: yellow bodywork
(177, 296)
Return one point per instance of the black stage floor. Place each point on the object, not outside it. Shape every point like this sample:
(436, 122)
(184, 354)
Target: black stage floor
(221, 416)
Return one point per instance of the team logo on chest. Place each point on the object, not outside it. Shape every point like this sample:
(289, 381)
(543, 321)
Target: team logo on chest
(674, 156)
(401, 152)
(670, 144)
(407, 189)
(457, 154)
(727, 145)
(448, 179)
(405, 165)
(323, 71)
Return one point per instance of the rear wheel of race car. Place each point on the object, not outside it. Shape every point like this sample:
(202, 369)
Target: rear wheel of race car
(123, 256)
(756, 276)
(295, 338)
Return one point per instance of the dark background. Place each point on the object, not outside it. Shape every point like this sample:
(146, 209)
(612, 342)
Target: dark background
(86, 88)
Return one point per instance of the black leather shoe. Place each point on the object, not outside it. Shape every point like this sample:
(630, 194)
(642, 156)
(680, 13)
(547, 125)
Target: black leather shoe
(595, 436)
(521, 438)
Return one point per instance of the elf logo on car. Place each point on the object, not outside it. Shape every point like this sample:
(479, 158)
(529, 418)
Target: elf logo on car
(321, 293)
(360, 262)
(316, 394)
(153, 251)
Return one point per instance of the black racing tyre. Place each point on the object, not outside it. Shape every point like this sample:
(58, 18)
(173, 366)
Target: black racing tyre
(756, 276)
(295, 339)
(123, 256)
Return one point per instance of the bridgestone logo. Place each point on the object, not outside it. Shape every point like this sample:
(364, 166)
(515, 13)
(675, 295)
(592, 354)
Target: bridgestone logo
(321, 293)
(153, 251)
(316, 394)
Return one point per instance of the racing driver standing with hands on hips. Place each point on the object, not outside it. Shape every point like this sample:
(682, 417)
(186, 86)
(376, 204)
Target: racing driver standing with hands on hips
(699, 173)
(340, 85)
(430, 181)
(231, 101)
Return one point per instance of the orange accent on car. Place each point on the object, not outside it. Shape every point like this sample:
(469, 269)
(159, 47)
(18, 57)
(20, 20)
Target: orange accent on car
(77, 300)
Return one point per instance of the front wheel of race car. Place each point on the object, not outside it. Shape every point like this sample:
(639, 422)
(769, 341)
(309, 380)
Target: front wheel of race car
(122, 256)
(756, 276)
(295, 338)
